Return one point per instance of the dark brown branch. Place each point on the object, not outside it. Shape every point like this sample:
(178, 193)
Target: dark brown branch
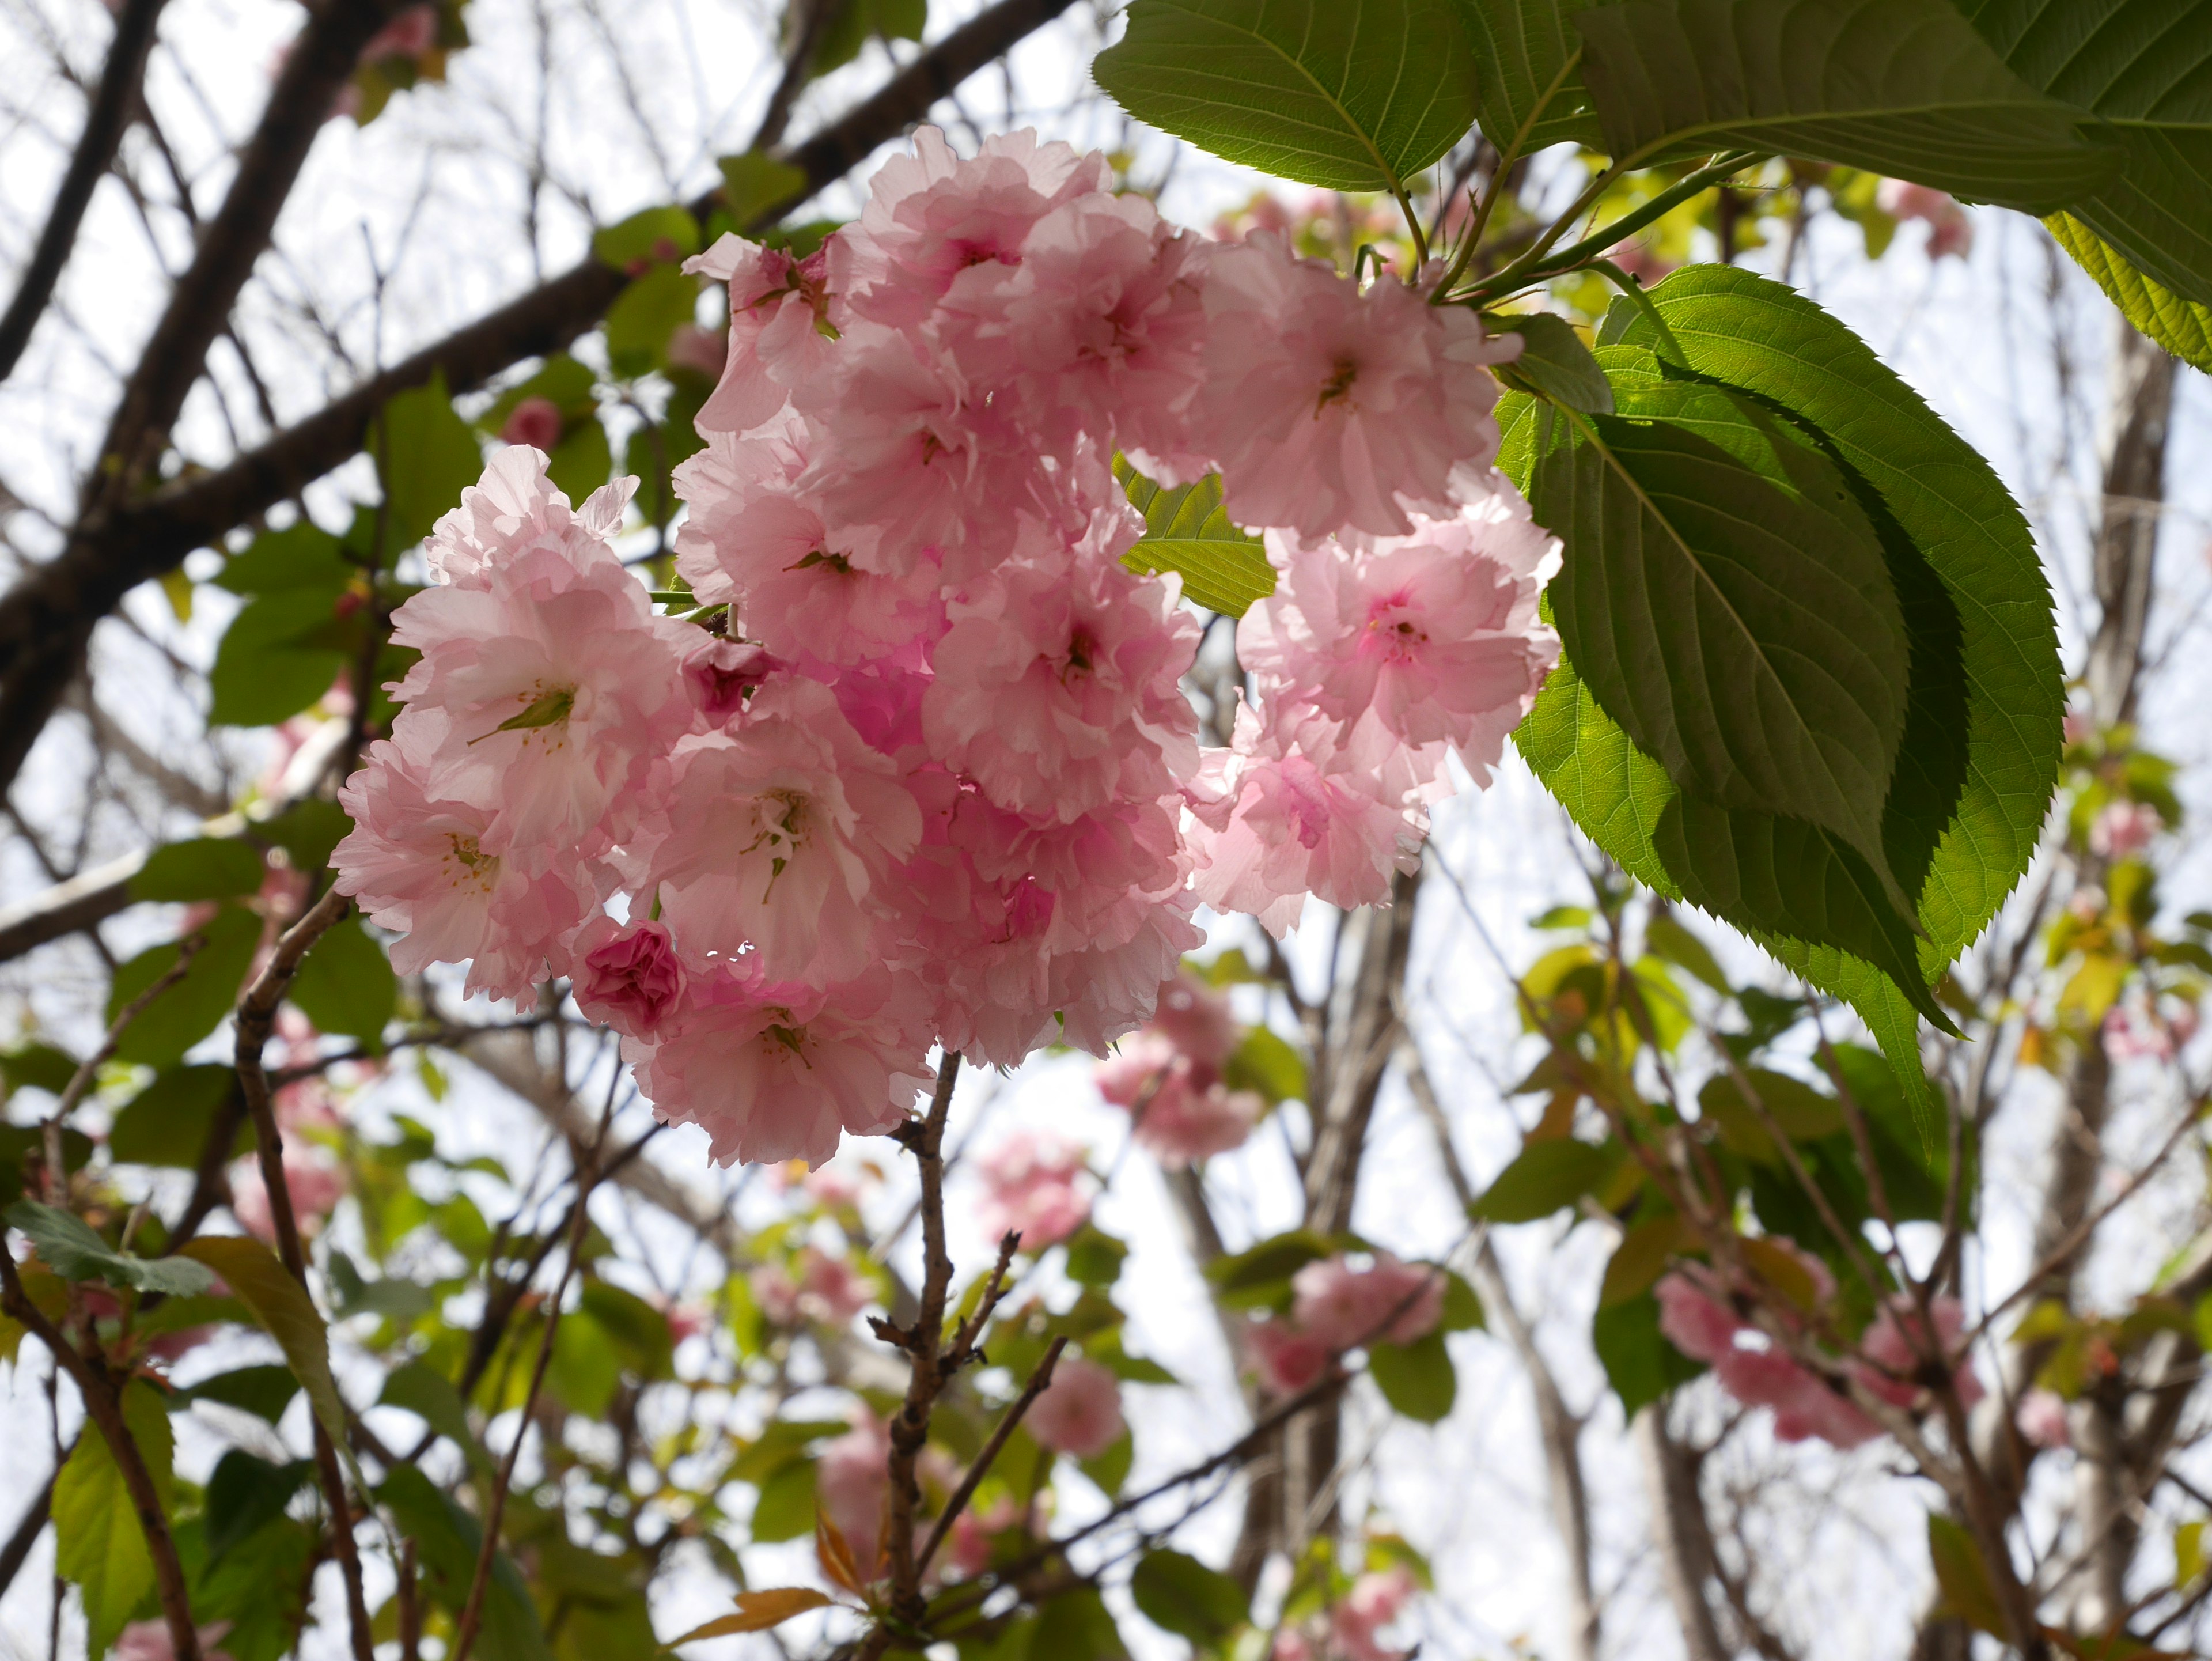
(46, 619)
(1040, 1381)
(104, 125)
(18, 1548)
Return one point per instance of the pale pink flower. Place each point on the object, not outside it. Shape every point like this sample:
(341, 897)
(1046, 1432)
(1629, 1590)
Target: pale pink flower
(939, 229)
(830, 1289)
(1949, 230)
(1195, 1018)
(781, 1070)
(780, 322)
(1694, 1321)
(686, 1321)
(1895, 1344)
(1388, 1301)
(1034, 1186)
(316, 1186)
(968, 1549)
(535, 422)
(1805, 1407)
(2041, 1417)
(1291, 1644)
(1377, 1599)
(2123, 828)
(1326, 407)
(2077, 726)
(627, 975)
(776, 1293)
(1060, 692)
(416, 861)
(853, 1484)
(1182, 1122)
(514, 508)
(1285, 1357)
(149, 1640)
(1079, 1412)
(836, 1185)
(777, 834)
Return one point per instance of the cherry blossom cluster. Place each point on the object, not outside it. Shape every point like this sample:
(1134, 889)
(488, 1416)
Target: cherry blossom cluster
(920, 769)
(1338, 1304)
(1169, 1076)
(1697, 1318)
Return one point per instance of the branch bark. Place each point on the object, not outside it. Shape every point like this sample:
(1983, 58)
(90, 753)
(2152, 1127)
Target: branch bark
(1672, 1478)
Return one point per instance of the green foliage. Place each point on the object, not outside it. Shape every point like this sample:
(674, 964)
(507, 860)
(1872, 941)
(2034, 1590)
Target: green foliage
(1223, 567)
(1544, 1176)
(755, 186)
(272, 663)
(1417, 1379)
(448, 1539)
(425, 456)
(98, 1542)
(1178, 1594)
(1267, 1061)
(1529, 72)
(345, 984)
(647, 311)
(265, 1391)
(2183, 327)
(1259, 1276)
(1833, 80)
(1554, 361)
(246, 1493)
(67, 1245)
(651, 236)
(1640, 1363)
(205, 868)
(1350, 95)
(854, 23)
(281, 1303)
(189, 1009)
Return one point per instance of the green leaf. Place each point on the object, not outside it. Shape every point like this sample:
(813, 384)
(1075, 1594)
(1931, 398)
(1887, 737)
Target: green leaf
(1076, 1626)
(1528, 73)
(2182, 327)
(281, 1303)
(266, 670)
(2145, 68)
(644, 314)
(302, 555)
(581, 462)
(1642, 1257)
(430, 1396)
(1664, 936)
(265, 1391)
(1962, 1579)
(1545, 1176)
(205, 868)
(1610, 788)
(425, 455)
(67, 1245)
(561, 380)
(190, 1009)
(1735, 618)
(307, 831)
(1799, 1111)
(1109, 1468)
(1224, 568)
(1267, 1061)
(1640, 1363)
(448, 1539)
(785, 1509)
(1554, 361)
(38, 1066)
(1178, 1594)
(1417, 1379)
(1348, 95)
(856, 23)
(167, 1122)
(257, 1590)
(247, 1493)
(652, 236)
(345, 984)
(98, 1542)
(1260, 1275)
(1901, 87)
(19, 1142)
(1095, 1257)
(757, 187)
(1462, 1310)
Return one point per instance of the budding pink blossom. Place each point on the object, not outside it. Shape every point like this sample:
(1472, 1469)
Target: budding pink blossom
(1388, 1301)
(2124, 828)
(535, 422)
(853, 1484)
(2041, 1417)
(1035, 1187)
(1079, 1412)
(628, 975)
(1287, 1358)
(1377, 1599)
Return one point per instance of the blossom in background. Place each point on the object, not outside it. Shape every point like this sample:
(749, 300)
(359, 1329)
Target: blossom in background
(1345, 1306)
(1169, 1076)
(826, 1289)
(853, 1484)
(2124, 828)
(535, 422)
(315, 1184)
(1949, 229)
(1285, 1357)
(149, 1640)
(2041, 1417)
(1377, 1599)
(1034, 1186)
(1079, 1412)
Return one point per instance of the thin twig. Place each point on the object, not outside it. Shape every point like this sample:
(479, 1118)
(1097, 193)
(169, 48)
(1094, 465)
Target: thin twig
(81, 1081)
(1039, 1382)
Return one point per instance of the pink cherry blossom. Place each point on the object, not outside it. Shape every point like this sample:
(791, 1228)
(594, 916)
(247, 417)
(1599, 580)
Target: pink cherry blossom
(852, 1485)
(1034, 1186)
(781, 319)
(968, 1549)
(1328, 409)
(2041, 1417)
(1287, 1358)
(515, 508)
(1949, 229)
(627, 975)
(2124, 828)
(719, 674)
(1079, 1412)
(1805, 1407)
(1291, 1644)
(836, 1185)
(781, 1070)
(1694, 1321)
(418, 862)
(149, 1640)
(1377, 1599)
(1195, 1018)
(1184, 1125)
(1388, 1301)
(1896, 1344)
(535, 422)
(315, 1184)
(778, 834)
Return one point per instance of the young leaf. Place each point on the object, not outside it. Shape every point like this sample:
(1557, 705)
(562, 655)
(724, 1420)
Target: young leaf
(271, 663)
(1417, 1379)
(281, 1303)
(1962, 1579)
(166, 1123)
(98, 1542)
(757, 186)
(1901, 87)
(1179, 1594)
(191, 1008)
(756, 1612)
(246, 1492)
(2183, 327)
(448, 1538)
(1348, 95)
(67, 1245)
(1640, 1363)
(1743, 630)
(1545, 1176)
(1223, 567)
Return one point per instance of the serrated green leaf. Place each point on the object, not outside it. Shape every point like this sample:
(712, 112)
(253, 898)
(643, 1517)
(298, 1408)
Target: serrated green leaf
(1224, 568)
(1260, 1273)
(67, 1245)
(1962, 1579)
(191, 1008)
(1901, 87)
(1348, 95)
(98, 1545)
(1528, 73)
(281, 1303)
(345, 984)
(2182, 327)
(1554, 361)
(1417, 1379)
(1178, 1594)
(1744, 629)
(1544, 1177)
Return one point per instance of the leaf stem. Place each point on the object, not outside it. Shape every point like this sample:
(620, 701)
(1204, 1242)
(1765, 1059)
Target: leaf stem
(1634, 293)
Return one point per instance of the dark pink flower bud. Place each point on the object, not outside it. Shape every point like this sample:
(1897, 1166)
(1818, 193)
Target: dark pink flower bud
(628, 975)
(720, 672)
(535, 422)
